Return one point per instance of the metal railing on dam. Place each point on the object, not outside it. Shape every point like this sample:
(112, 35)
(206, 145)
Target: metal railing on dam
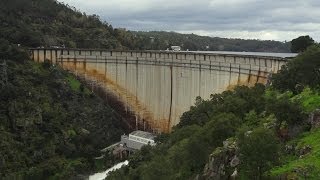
(158, 86)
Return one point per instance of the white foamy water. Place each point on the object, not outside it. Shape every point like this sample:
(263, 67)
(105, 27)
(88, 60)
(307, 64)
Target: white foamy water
(103, 175)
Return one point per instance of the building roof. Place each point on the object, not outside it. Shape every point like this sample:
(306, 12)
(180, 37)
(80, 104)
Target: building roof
(143, 134)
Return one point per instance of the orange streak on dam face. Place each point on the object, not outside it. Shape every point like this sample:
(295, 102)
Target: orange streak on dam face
(249, 81)
(130, 100)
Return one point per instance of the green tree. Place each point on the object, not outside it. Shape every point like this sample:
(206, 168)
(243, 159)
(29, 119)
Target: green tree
(304, 70)
(286, 111)
(301, 43)
(259, 151)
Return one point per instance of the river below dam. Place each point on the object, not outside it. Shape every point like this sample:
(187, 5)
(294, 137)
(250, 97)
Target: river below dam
(104, 174)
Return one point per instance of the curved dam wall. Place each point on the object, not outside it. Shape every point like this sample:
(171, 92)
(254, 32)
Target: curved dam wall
(158, 86)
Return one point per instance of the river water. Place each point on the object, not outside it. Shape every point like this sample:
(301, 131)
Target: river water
(103, 175)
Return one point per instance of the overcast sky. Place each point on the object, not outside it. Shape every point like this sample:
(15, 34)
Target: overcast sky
(249, 19)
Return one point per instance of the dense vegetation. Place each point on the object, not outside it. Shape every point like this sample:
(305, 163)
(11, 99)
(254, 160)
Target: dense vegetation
(35, 23)
(301, 43)
(50, 125)
(262, 121)
(294, 76)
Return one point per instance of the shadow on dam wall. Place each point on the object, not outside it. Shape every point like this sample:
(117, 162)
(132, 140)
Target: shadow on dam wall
(250, 81)
(128, 118)
(130, 110)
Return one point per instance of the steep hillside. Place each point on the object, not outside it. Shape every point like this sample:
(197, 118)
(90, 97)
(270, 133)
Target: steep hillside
(302, 159)
(51, 126)
(35, 23)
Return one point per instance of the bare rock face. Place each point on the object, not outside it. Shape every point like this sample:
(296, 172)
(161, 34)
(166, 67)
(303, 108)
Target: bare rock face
(315, 119)
(223, 162)
(290, 149)
(304, 151)
(235, 161)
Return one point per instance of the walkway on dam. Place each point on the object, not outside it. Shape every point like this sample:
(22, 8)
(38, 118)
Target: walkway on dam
(265, 54)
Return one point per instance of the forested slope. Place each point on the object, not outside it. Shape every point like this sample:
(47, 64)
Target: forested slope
(51, 126)
(35, 23)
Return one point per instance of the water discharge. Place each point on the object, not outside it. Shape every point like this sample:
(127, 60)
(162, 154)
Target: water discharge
(103, 175)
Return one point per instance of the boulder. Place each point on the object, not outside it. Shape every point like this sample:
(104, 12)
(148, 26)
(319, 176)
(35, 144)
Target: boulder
(234, 174)
(304, 150)
(222, 162)
(235, 161)
(290, 149)
(314, 119)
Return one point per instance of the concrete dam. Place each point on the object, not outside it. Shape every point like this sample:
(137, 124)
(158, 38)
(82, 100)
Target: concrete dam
(159, 86)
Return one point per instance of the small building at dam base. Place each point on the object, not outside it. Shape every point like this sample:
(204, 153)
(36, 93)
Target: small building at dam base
(137, 139)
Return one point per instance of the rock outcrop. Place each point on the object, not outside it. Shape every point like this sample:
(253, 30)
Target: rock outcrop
(223, 162)
(314, 119)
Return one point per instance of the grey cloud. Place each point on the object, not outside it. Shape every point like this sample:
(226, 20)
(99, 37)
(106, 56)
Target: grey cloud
(257, 16)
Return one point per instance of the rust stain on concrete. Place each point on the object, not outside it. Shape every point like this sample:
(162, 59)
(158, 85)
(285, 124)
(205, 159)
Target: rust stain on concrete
(144, 116)
(249, 81)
